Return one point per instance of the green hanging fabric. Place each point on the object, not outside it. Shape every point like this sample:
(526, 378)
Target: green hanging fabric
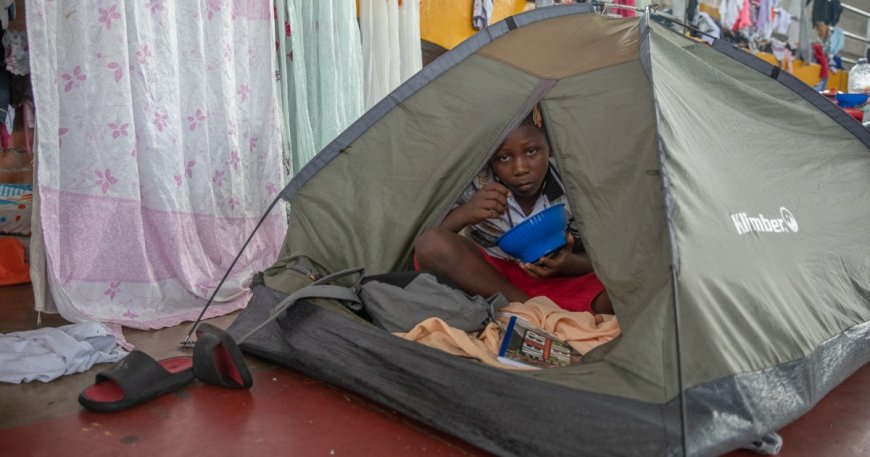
(320, 59)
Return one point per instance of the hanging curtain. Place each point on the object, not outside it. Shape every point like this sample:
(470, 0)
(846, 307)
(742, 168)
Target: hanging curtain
(320, 59)
(391, 45)
(158, 149)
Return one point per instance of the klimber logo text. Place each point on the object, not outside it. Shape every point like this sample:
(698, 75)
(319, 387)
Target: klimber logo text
(785, 223)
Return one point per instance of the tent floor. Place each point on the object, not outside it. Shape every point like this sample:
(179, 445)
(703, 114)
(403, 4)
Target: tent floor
(288, 413)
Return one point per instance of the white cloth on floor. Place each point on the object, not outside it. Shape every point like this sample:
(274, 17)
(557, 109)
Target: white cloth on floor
(48, 353)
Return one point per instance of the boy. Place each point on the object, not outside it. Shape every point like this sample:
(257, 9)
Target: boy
(518, 183)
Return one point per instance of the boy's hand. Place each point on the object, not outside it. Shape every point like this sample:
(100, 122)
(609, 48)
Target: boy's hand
(556, 263)
(488, 203)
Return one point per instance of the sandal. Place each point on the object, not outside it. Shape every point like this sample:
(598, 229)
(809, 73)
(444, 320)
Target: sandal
(217, 359)
(134, 380)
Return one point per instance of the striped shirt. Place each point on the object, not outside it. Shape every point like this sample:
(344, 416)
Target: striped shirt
(486, 232)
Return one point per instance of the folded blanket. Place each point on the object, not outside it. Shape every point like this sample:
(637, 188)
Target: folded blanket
(579, 329)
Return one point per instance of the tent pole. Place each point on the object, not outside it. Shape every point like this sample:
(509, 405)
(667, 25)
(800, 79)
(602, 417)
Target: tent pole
(187, 343)
(683, 411)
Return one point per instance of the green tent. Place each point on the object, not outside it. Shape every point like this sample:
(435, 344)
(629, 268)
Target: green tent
(725, 206)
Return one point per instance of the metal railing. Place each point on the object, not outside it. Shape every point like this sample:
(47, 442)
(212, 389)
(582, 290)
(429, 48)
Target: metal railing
(855, 37)
(855, 10)
(864, 39)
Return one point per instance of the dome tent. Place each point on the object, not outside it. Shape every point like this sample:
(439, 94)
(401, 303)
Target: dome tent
(724, 206)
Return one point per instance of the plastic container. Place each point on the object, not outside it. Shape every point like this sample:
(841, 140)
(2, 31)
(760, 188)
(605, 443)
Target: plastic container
(859, 77)
(537, 236)
(851, 100)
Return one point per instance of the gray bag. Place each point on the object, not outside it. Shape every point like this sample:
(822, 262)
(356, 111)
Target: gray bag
(398, 301)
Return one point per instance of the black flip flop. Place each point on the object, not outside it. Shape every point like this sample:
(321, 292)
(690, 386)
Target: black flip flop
(134, 380)
(217, 359)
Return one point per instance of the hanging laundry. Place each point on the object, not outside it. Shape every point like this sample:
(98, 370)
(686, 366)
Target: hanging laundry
(391, 46)
(835, 42)
(729, 12)
(826, 11)
(320, 60)
(202, 146)
(481, 14)
(783, 20)
(704, 23)
(8, 126)
(764, 20)
(5, 94)
(822, 60)
(410, 51)
(622, 11)
(691, 9)
(744, 18)
(783, 54)
(15, 44)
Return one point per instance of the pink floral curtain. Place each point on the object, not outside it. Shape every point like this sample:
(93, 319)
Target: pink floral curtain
(159, 148)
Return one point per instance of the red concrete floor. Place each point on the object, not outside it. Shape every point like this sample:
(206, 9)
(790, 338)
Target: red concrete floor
(287, 413)
(284, 413)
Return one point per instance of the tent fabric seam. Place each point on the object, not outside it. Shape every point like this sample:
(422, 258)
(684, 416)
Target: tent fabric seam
(515, 67)
(795, 85)
(668, 202)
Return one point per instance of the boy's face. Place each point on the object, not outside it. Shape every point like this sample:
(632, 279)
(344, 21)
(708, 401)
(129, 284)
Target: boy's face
(522, 161)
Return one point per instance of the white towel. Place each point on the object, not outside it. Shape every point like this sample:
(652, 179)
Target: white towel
(48, 353)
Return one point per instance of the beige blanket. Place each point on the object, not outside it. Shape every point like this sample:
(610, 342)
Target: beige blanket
(583, 331)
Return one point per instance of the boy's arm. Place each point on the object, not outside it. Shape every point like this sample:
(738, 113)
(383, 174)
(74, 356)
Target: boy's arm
(488, 203)
(455, 220)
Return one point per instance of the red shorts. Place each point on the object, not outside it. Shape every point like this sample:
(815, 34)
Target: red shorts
(574, 293)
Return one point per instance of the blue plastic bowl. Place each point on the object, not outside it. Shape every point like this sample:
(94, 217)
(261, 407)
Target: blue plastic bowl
(850, 100)
(537, 236)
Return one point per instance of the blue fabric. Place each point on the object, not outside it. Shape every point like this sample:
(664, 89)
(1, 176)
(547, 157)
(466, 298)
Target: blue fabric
(835, 43)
